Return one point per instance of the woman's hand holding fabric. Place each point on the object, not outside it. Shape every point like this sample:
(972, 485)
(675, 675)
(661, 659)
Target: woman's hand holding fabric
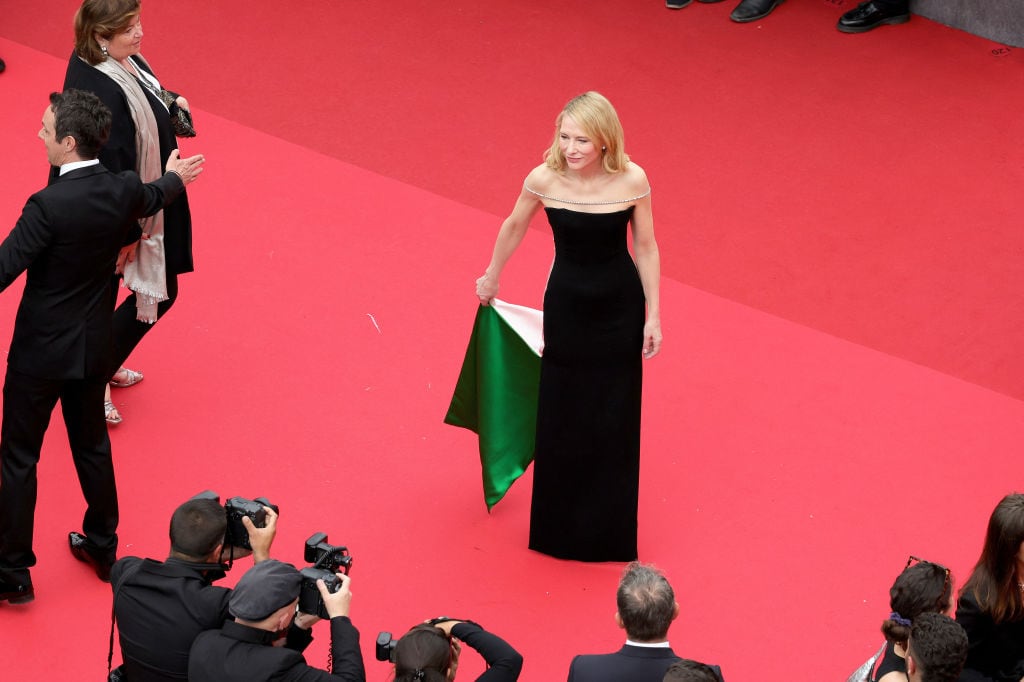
(486, 289)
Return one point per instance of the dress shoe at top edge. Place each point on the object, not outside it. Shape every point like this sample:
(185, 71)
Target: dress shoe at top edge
(752, 10)
(869, 15)
(100, 562)
(679, 4)
(16, 592)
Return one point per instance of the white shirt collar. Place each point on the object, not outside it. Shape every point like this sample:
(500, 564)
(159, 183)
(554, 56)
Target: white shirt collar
(649, 645)
(75, 165)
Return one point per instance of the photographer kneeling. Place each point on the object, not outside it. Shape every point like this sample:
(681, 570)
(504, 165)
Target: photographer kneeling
(263, 605)
(162, 606)
(429, 652)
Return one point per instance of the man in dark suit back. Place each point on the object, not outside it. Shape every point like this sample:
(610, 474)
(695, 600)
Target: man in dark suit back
(646, 608)
(68, 238)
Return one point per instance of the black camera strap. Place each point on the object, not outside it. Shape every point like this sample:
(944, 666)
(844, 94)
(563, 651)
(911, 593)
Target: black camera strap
(113, 612)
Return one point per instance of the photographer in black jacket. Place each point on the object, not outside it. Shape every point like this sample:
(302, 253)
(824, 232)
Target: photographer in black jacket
(162, 606)
(264, 606)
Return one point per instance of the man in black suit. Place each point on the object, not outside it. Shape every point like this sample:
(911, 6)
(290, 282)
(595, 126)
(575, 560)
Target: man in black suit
(646, 608)
(68, 238)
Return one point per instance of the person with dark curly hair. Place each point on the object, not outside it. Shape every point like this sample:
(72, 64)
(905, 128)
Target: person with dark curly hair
(691, 671)
(936, 650)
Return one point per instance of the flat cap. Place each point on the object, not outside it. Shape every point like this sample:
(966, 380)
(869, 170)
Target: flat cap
(263, 589)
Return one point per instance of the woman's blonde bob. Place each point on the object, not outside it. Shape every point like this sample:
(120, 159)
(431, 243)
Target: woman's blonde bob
(595, 114)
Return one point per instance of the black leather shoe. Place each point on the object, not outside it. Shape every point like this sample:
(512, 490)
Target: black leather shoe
(752, 10)
(100, 562)
(869, 15)
(14, 591)
(677, 4)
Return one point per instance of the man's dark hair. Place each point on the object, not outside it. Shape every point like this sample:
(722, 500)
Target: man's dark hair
(646, 603)
(690, 671)
(197, 527)
(83, 116)
(938, 645)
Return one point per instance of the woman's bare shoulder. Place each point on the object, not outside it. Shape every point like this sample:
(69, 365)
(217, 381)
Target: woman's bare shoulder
(636, 176)
(540, 178)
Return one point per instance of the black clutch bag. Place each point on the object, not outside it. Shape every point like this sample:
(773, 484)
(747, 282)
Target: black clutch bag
(181, 120)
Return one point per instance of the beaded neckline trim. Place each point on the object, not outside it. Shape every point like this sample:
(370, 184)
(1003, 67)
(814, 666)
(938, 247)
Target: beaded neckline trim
(574, 202)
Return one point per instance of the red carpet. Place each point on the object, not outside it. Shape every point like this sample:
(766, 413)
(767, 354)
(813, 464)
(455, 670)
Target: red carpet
(841, 381)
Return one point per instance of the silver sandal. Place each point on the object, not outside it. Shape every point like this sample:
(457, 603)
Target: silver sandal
(110, 413)
(132, 378)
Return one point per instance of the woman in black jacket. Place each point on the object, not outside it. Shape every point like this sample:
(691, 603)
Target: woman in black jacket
(991, 605)
(430, 652)
(107, 62)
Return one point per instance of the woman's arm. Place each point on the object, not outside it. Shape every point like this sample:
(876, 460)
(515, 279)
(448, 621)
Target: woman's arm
(512, 231)
(648, 264)
(504, 663)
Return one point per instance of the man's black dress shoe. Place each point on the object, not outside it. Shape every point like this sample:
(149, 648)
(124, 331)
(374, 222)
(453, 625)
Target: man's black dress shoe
(869, 15)
(679, 4)
(14, 591)
(100, 561)
(752, 10)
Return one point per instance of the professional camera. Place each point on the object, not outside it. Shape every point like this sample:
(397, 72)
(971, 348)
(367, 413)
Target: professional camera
(237, 507)
(386, 643)
(385, 647)
(327, 560)
(235, 535)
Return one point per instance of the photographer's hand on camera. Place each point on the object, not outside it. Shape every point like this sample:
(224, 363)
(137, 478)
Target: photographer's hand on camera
(336, 603)
(261, 538)
(305, 621)
(446, 625)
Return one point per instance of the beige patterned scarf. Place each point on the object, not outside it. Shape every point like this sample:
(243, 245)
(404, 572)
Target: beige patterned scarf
(146, 275)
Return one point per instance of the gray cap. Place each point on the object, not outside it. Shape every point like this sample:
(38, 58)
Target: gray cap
(263, 589)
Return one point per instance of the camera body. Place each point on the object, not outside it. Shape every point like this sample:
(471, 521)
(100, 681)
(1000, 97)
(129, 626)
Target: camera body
(326, 560)
(310, 599)
(235, 535)
(385, 647)
(236, 509)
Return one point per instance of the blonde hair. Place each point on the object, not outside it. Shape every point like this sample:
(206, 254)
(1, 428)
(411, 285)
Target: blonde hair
(595, 114)
(105, 17)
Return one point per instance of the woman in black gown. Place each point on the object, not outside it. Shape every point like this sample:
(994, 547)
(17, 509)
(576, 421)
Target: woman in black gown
(601, 317)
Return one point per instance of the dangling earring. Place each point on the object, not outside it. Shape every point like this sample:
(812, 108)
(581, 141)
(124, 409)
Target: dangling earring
(103, 49)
